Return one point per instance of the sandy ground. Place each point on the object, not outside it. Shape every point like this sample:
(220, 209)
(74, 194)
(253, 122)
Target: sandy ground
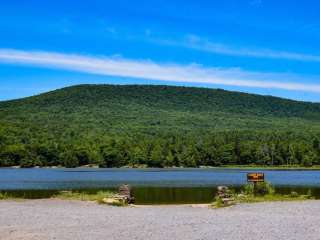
(64, 220)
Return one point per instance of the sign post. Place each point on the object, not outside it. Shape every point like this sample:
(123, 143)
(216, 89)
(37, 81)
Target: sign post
(255, 178)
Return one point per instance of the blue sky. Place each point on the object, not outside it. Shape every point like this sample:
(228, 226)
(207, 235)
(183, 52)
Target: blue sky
(257, 46)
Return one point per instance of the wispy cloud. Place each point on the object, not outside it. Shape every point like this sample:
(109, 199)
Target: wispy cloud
(202, 44)
(115, 66)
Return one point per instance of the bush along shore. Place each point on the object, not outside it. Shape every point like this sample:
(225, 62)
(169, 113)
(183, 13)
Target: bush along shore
(251, 193)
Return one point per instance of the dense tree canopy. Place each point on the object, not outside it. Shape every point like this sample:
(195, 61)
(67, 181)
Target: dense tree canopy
(157, 126)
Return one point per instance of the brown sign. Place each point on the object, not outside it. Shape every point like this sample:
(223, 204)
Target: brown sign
(255, 177)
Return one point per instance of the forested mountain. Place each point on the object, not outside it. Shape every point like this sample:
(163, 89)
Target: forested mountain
(116, 125)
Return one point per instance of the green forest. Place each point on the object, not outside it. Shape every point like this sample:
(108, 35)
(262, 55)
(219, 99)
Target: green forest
(157, 126)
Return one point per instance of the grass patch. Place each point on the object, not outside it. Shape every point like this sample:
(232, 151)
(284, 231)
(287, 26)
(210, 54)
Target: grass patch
(89, 196)
(5, 196)
(8, 196)
(218, 203)
(261, 192)
(271, 198)
(97, 196)
(265, 192)
(81, 195)
(84, 196)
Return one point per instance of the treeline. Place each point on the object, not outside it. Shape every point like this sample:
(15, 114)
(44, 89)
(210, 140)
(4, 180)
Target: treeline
(170, 150)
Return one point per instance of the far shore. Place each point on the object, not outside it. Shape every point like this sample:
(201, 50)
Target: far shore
(241, 167)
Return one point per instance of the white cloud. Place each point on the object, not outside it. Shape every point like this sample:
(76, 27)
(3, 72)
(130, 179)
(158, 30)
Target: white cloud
(201, 44)
(120, 67)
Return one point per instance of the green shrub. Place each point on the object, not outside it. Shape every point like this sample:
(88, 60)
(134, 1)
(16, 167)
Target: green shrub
(218, 203)
(294, 194)
(309, 194)
(3, 196)
(261, 189)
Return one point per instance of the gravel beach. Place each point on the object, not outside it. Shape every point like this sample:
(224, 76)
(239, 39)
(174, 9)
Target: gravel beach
(74, 220)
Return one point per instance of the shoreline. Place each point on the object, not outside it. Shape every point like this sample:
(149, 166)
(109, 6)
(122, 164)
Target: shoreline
(226, 167)
(193, 205)
(101, 197)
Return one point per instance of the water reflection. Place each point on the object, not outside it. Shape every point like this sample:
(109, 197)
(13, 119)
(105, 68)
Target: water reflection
(165, 195)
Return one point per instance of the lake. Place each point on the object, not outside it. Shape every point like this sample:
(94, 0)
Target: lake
(151, 186)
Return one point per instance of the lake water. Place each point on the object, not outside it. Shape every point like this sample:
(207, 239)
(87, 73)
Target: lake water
(151, 185)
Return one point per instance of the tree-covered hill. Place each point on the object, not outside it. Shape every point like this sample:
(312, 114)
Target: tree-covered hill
(87, 118)
(116, 108)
